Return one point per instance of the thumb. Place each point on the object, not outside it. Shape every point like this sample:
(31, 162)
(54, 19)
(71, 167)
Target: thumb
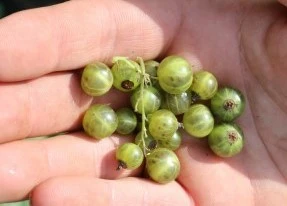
(127, 191)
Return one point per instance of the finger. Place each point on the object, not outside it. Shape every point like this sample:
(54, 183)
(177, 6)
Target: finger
(91, 191)
(284, 2)
(72, 34)
(47, 105)
(24, 164)
(210, 179)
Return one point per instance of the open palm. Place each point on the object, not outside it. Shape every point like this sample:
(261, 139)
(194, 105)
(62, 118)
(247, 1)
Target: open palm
(241, 42)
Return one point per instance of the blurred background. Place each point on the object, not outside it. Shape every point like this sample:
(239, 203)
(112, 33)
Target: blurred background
(11, 6)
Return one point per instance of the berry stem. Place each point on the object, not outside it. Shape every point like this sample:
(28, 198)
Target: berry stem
(142, 84)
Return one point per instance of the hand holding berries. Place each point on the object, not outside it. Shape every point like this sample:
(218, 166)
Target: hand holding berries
(160, 95)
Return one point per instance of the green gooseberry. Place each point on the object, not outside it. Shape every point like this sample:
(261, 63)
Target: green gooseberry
(126, 73)
(227, 104)
(175, 74)
(127, 121)
(204, 85)
(100, 121)
(226, 139)
(151, 67)
(162, 165)
(198, 121)
(150, 101)
(129, 156)
(162, 124)
(172, 143)
(176, 103)
(149, 142)
(97, 79)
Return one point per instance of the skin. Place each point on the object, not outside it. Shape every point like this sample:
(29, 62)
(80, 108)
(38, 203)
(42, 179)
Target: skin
(242, 42)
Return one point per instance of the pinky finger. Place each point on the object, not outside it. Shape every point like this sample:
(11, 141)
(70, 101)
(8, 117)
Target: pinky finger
(91, 191)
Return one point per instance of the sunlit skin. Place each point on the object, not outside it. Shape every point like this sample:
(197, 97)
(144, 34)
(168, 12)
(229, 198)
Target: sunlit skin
(243, 43)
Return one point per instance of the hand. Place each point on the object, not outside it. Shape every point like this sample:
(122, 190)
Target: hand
(241, 42)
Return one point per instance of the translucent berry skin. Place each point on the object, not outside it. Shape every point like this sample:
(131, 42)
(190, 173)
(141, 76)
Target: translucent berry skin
(226, 140)
(176, 103)
(162, 124)
(151, 100)
(162, 165)
(204, 85)
(198, 121)
(126, 75)
(129, 155)
(151, 67)
(127, 121)
(100, 121)
(173, 143)
(97, 79)
(175, 74)
(227, 104)
(149, 141)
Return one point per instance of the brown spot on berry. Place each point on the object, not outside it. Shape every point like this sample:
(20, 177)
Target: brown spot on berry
(127, 84)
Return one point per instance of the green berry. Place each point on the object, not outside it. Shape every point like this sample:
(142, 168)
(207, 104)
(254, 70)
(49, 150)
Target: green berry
(97, 79)
(204, 85)
(129, 156)
(126, 74)
(226, 140)
(127, 121)
(198, 121)
(176, 103)
(100, 121)
(173, 143)
(162, 124)
(162, 165)
(150, 101)
(227, 104)
(151, 67)
(175, 74)
(149, 141)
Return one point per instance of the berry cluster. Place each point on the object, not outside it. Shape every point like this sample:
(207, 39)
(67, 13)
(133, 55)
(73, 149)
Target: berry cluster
(161, 95)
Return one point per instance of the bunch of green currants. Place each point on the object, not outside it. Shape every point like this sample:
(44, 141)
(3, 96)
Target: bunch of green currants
(165, 99)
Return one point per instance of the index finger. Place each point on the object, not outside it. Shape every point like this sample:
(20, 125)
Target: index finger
(74, 33)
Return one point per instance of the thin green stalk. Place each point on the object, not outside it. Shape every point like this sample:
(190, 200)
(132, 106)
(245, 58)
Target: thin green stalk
(142, 85)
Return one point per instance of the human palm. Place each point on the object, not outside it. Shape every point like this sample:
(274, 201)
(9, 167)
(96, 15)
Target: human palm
(241, 42)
